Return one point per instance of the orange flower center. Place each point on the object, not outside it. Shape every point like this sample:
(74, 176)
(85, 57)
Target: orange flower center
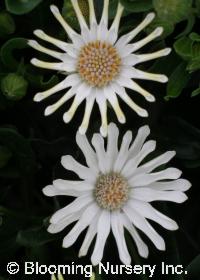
(98, 63)
(111, 191)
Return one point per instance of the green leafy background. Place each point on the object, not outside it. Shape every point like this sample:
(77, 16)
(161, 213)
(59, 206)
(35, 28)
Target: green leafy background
(31, 145)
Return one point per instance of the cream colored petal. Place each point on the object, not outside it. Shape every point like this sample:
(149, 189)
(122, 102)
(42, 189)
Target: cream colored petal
(109, 93)
(128, 37)
(70, 81)
(139, 44)
(79, 14)
(67, 67)
(101, 101)
(138, 74)
(54, 107)
(128, 83)
(69, 48)
(34, 44)
(82, 92)
(124, 96)
(92, 12)
(88, 110)
(61, 20)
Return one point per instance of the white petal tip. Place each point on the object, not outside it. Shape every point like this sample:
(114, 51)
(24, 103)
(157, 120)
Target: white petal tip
(38, 33)
(67, 117)
(82, 129)
(163, 79)
(150, 98)
(104, 131)
(47, 191)
(38, 97)
(150, 16)
(142, 113)
(49, 110)
(34, 61)
(54, 9)
(32, 43)
(122, 119)
(167, 51)
(158, 31)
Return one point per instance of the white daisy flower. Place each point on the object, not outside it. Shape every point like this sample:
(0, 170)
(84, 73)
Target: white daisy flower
(98, 65)
(115, 193)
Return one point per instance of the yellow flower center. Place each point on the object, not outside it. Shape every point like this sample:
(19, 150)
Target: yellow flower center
(98, 63)
(111, 191)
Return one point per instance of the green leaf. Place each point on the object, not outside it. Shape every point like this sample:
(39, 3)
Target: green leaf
(21, 7)
(172, 10)
(183, 47)
(196, 92)
(137, 6)
(193, 269)
(177, 81)
(20, 148)
(194, 65)
(194, 37)
(34, 237)
(7, 52)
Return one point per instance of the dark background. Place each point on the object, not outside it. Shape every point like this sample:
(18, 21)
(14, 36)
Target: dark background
(31, 145)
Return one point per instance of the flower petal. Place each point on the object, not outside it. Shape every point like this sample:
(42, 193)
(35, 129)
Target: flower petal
(118, 232)
(103, 230)
(85, 173)
(86, 218)
(78, 204)
(149, 212)
(141, 223)
(141, 246)
(69, 188)
(149, 195)
(146, 179)
(123, 152)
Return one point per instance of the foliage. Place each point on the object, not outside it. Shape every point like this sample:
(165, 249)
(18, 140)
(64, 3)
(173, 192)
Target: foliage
(31, 145)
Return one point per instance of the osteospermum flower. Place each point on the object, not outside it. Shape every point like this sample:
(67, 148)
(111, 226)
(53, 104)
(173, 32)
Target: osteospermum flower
(98, 65)
(115, 192)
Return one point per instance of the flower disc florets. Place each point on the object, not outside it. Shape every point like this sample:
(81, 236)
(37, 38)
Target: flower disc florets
(111, 191)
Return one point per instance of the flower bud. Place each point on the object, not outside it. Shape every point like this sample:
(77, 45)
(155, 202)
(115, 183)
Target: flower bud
(7, 24)
(5, 155)
(14, 86)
